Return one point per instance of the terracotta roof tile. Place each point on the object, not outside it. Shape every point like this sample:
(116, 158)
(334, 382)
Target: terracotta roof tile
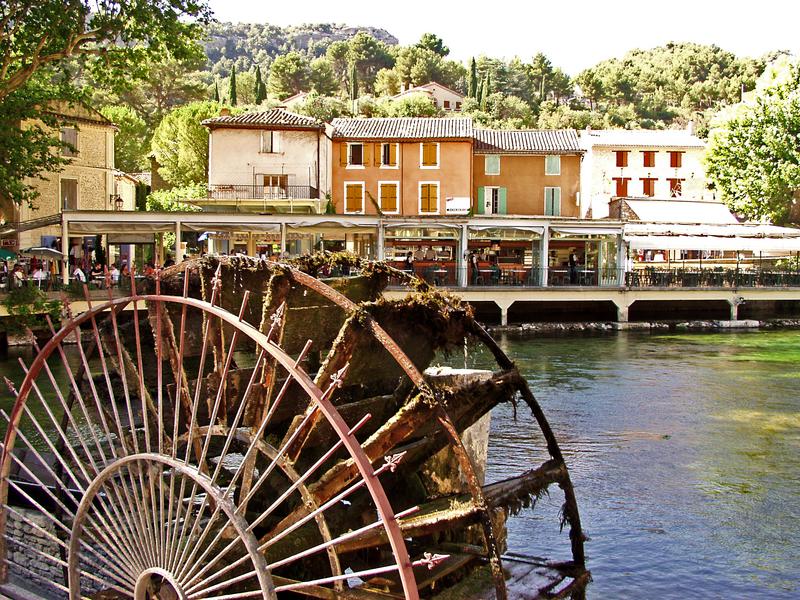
(527, 141)
(414, 128)
(277, 117)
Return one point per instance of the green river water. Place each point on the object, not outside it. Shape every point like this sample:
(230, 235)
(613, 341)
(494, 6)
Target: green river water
(684, 451)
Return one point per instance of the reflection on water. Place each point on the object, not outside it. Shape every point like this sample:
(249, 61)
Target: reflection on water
(684, 453)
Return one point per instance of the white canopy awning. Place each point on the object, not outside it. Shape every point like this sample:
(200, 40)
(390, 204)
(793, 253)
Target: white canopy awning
(681, 211)
(534, 228)
(756, 238)
(588, 230)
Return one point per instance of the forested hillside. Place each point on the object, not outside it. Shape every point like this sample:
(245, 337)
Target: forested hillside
(357, 71)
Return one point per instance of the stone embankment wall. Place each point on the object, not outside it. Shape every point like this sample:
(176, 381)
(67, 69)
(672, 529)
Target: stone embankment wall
(534, 328)
(30, 558)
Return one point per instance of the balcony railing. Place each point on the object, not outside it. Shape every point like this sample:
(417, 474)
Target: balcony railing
(262, 192)
(711, 278)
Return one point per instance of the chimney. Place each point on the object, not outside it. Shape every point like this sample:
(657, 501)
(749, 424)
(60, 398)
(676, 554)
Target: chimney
(690, 127)
(224, 112)
(402, 87)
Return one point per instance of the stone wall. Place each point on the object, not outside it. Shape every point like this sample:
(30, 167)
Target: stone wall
(27, 562)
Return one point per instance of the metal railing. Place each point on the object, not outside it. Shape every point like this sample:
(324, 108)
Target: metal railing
(711, 278)
(262, 192)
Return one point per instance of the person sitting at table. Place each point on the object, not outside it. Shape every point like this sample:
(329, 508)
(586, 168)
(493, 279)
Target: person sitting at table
(39, 275)
(114, 273)
(97, 271)
(78, 275)
(125, 272)
(19, 276)
(408, 263)
(149, 269)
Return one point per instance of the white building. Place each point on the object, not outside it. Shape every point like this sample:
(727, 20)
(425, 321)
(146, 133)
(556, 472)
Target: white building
(443, 97)
(640, 164)
(273, 161)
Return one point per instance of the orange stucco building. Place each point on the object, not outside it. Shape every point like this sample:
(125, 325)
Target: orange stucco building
(405, 166)
(526, 172)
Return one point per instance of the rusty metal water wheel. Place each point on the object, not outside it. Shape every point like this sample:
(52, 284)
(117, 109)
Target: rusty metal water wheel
(241, 476)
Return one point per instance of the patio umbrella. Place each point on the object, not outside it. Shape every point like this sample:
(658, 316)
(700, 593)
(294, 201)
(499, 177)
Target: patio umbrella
(6, 254)
(42, 252)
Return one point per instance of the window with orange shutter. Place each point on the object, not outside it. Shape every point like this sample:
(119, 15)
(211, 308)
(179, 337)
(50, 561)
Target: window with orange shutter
(622, 158)
(388, 155)
(675, 159)
(430, 154)
(649, 186)
(354, 197)
(387, 196)
(429, 198)
(648, 158)
(675, 188)
(621, 186)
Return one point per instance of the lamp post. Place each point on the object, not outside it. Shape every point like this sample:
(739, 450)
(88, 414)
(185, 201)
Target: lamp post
(116, 201)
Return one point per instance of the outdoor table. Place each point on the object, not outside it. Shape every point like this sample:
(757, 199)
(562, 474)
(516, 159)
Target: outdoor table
(486, 275)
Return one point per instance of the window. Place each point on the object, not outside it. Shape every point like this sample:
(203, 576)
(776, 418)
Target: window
(447, 104)
(428, 197)
(649, 186)
(675, 159)
(675, 188)
(492, 164)
(388, 196)
(648, 158)
(429, 155)
(552, 165)
(267, 141)
(275, 186)
(552, 201)
(388, 155)
(354, 197)
(622, 158)
(69, 194)
(69, 135)
(458, 105)
(355, 155)
(621, 186)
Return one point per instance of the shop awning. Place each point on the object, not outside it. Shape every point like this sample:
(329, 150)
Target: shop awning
(232, 227)
(119, 226)
(681, 211)
(577, 230)
(756, 238)
(532, 228)
(429, 225)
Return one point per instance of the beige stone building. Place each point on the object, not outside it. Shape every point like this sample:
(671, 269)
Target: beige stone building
(87, 182)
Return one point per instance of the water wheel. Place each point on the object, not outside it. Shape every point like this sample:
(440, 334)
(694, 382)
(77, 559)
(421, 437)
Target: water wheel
(257, 437)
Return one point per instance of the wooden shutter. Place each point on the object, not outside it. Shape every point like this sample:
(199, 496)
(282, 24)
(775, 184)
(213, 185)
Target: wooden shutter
(428, 154)
(388, 196)
(393, 155)
(675, 159)
(481, 201)
(365, 158)
(69, 194)
(353, 198)
(502, 194)
(343, 154)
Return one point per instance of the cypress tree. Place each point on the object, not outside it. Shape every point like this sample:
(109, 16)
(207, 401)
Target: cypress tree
(262, 92)
(258, 86)
(479, 92)
(472, 90)
(353, 82)
(232, 91)
(484, 92)
(216, 92)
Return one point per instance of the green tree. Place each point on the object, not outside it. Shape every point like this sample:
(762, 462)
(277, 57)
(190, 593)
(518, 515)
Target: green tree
(324, 108)
(591, 86)
(369, 56)
(323, 78)
(353, 82)
(411, 105)
(433, 42)
(216, 91)
(42, 42)
(232, 87)
(177, 199)
(132, 142)
(258, 86)
(180, 143)
(288, 75)
(387, 83)
(472, 86)
(753, 157)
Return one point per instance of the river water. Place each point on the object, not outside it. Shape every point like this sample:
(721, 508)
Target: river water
(685, 455)
(684, 451)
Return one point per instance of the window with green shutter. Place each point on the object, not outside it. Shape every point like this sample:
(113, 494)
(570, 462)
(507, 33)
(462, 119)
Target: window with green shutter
(492, 164)
(481, 199)
(552, 165)
(552, 201)
(502, 194)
